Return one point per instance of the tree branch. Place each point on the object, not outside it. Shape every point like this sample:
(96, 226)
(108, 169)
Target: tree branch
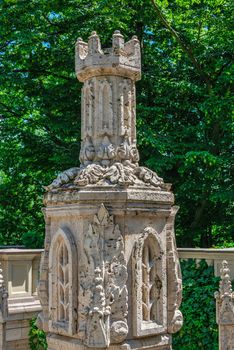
(185, 47)
(9, 110)
(220, 71)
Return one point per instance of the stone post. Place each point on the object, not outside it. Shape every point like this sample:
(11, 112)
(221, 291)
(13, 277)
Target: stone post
(225, 310)
(110, 274)
(3, 311)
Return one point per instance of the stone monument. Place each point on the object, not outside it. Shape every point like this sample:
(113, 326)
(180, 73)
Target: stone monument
(110, 275)
(225, 309)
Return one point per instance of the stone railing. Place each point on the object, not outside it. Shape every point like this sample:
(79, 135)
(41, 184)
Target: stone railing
(20, 274)
(214, 257)
(20, 271)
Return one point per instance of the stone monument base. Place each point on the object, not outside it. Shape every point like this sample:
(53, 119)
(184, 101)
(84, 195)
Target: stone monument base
(159, 342)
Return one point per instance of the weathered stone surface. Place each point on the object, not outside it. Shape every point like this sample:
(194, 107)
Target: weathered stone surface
(3, 311)
(110, 276)
(225, 310)
(3, 299)
(109, 155)
(18, 296)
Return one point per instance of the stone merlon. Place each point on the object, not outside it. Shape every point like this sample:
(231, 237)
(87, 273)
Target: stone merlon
(122, 59)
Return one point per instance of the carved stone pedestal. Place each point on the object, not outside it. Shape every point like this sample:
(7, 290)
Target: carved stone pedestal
(110, 276)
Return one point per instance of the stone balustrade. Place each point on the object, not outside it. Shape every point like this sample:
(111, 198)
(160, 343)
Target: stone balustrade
(20, 271)
(213, 257)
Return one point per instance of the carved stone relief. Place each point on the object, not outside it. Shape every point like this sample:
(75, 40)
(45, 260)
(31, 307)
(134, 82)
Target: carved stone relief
(148, 284)
(122, 174)
(106, 152)
(105, 119)
(126, 107)
(175, 317)
(87, 108)
(103, 279)
(87, 152)
(225, 309)
(63, 284)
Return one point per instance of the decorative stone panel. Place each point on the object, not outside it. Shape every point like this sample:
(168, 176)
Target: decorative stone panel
(103, 277)
(149, 284)
(63, 283)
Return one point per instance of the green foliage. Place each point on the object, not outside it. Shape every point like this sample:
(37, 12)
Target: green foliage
(183, 113)
(200, 330)
(32, 239)
(37, 338)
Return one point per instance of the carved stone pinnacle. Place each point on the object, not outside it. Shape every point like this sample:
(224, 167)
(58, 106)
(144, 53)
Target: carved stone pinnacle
(108, 154)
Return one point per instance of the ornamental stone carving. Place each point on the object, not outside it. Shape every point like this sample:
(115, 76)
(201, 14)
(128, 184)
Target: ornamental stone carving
(175, 317)
(108, 116)
(149, 284)
(225, 309)
(63, 283)
(110, 275)
(105, 267)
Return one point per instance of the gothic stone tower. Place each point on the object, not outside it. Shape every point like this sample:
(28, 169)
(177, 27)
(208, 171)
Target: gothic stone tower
(110, 275)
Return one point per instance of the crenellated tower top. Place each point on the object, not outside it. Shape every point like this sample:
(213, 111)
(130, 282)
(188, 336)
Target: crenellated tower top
(108, 153)
(122, 59)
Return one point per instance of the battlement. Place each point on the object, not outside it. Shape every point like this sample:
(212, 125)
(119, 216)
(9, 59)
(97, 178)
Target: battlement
(122, 59)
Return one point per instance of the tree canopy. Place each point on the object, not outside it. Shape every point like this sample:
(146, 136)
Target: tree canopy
(184, 105)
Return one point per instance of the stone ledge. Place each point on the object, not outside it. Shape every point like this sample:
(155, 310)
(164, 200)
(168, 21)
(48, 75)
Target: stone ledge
(94, 194)
(213, 257)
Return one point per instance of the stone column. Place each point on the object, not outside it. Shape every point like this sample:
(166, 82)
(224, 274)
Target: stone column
(3, 311)
(110, 275)
(225, 309)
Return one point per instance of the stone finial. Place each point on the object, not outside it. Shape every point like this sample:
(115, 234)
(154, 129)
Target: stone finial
(117, 41)
(225, 286)
(94, 44)
(3, 298)
(225, 309)
(122, 59)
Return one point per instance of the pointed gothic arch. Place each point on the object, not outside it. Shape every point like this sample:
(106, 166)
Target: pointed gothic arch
(106, 111)
(87, 109)
(149, 316)
(63, 283)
